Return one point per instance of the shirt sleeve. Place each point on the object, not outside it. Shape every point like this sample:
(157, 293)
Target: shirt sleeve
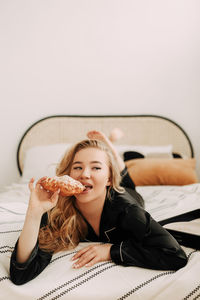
(21, 273)
(148, 244)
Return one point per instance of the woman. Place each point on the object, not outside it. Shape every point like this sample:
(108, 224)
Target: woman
(106, 212)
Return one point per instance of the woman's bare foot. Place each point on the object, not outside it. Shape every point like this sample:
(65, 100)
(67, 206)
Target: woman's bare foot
(98, 135)
(115, 135)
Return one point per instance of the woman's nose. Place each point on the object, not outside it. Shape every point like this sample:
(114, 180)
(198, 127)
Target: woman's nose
(85, 173)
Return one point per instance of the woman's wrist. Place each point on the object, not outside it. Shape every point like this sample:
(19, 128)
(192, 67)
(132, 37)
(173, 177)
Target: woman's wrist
(34, 214)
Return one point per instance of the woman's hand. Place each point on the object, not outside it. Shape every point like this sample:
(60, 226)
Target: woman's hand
(92, 254)
(41, 200)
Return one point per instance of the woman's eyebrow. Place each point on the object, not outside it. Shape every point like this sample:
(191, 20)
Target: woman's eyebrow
(96, 162)
(92, 162)
(77, 162)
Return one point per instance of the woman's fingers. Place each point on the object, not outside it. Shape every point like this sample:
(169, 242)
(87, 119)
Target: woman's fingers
(30, 185)
(41, 179)
(80, 252)
(92, 262)
(38, 183)
(85, 259)
(54, 197)
(92, 254)
(41, 193)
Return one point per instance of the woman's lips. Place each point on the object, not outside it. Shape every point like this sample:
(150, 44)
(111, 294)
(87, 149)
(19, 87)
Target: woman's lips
(87, 189)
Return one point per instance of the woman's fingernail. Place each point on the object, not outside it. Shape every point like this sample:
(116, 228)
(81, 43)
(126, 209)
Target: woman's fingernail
(75, 266)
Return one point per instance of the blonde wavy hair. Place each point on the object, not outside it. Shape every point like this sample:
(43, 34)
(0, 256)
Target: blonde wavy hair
(66, 227)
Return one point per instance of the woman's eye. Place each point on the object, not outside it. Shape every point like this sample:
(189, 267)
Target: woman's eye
(96, 168)
(77, 168)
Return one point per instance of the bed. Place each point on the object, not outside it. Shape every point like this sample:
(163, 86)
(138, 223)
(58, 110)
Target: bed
(160, 158)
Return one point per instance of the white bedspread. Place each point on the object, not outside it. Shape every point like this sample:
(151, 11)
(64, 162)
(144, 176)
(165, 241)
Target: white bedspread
(104, 280)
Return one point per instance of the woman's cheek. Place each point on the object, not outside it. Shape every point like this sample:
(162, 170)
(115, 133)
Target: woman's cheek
(73, 174)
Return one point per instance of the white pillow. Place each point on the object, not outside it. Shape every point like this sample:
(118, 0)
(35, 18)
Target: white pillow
(148, 151)
(42, 161)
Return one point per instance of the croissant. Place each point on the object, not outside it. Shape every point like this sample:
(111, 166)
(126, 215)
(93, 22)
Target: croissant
(67, 185)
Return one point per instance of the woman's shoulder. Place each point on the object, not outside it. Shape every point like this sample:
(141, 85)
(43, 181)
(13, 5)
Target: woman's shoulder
(124, 200)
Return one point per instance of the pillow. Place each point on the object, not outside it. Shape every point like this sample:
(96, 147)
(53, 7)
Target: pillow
(149, 171)
(42, 160)
(148, 151)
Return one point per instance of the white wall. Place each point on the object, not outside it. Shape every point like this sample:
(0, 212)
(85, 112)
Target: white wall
(97, 57)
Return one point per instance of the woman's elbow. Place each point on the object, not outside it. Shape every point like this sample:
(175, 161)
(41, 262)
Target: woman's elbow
(17, 280)
(18, 277)
(177, 260)
(180, 263)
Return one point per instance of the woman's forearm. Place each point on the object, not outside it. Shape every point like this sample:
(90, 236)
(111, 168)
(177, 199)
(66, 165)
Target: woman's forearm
(29, 236)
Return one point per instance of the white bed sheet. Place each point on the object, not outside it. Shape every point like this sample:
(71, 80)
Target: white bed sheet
(167, 201)
(104, 280)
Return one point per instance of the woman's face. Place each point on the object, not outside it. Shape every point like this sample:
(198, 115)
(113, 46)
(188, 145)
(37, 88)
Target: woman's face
(90, 167)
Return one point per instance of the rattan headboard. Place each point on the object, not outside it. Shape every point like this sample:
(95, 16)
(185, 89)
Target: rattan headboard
(138, 129)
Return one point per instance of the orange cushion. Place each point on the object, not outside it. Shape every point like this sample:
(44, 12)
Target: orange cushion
(156, 171)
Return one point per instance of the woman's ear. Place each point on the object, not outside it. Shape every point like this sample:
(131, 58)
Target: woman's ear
(108, 182)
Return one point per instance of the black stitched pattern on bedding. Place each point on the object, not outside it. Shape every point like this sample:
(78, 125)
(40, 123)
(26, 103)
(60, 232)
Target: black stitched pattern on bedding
(143, 284)
(10, 249)
(10, 231)
(152, 279)
(61, 256)
(191, 294)
(4, 278)
(85, 280)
